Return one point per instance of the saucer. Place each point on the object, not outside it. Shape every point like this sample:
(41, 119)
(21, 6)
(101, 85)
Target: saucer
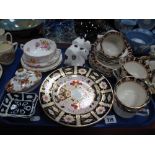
(76, 96)
(43, 69)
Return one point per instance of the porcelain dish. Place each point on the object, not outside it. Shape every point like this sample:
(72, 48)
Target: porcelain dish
(24, 81)
(76, 96)
(18, 105)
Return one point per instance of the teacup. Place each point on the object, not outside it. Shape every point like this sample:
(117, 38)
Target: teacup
(131, 95)
(113, 44)
(132, 66)
(7, 52)
(4, 36)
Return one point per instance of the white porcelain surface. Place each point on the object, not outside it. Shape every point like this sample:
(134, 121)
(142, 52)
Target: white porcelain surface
(136, 69)
(113, 45)
(131, 94)
(24, 81)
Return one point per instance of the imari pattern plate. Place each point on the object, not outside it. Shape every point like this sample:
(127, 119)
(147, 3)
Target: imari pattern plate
(76, 96)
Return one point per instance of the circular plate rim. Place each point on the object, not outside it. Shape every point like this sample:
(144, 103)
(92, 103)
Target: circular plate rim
(78, 126)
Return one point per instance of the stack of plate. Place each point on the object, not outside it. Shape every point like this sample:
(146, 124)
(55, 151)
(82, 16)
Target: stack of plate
(41, 55)
(107, 52)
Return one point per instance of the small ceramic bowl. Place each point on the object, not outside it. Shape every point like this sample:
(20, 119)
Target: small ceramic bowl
(39, 50)
(7, 52)
(131, 95)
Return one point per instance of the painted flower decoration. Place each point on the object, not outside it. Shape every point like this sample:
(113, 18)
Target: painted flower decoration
(103, 85)
(100, 110)
(67, 94)
(82, 71)
(46, 98)
(69, 119)
(10, 87)
(32, 61)
(75, 83)
(61, 97)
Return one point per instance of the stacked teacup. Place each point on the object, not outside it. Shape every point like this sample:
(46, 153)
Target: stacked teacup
(107, 51)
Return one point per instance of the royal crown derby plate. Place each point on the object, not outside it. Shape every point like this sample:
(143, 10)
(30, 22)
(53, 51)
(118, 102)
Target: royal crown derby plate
(43, 69)
(18, 105)
(76, 96)
(1, 71)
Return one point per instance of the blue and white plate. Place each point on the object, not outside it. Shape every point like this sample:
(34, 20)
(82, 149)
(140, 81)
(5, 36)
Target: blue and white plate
(140, 38)
(145, 31)
(146, 23)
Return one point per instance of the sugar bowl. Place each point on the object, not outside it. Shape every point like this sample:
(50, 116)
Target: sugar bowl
(7, 52)
(5, 36)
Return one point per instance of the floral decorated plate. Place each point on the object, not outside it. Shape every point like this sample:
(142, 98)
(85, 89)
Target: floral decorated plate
(76, 96)
(1, 71)
(43, 69)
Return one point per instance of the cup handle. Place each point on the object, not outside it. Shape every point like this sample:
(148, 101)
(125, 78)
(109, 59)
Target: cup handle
(15, 45)
(116, 74)
(21, 46)
(8, 35)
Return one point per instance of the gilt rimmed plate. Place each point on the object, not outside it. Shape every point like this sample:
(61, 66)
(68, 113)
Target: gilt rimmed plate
(1, 71)
(76, 96)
